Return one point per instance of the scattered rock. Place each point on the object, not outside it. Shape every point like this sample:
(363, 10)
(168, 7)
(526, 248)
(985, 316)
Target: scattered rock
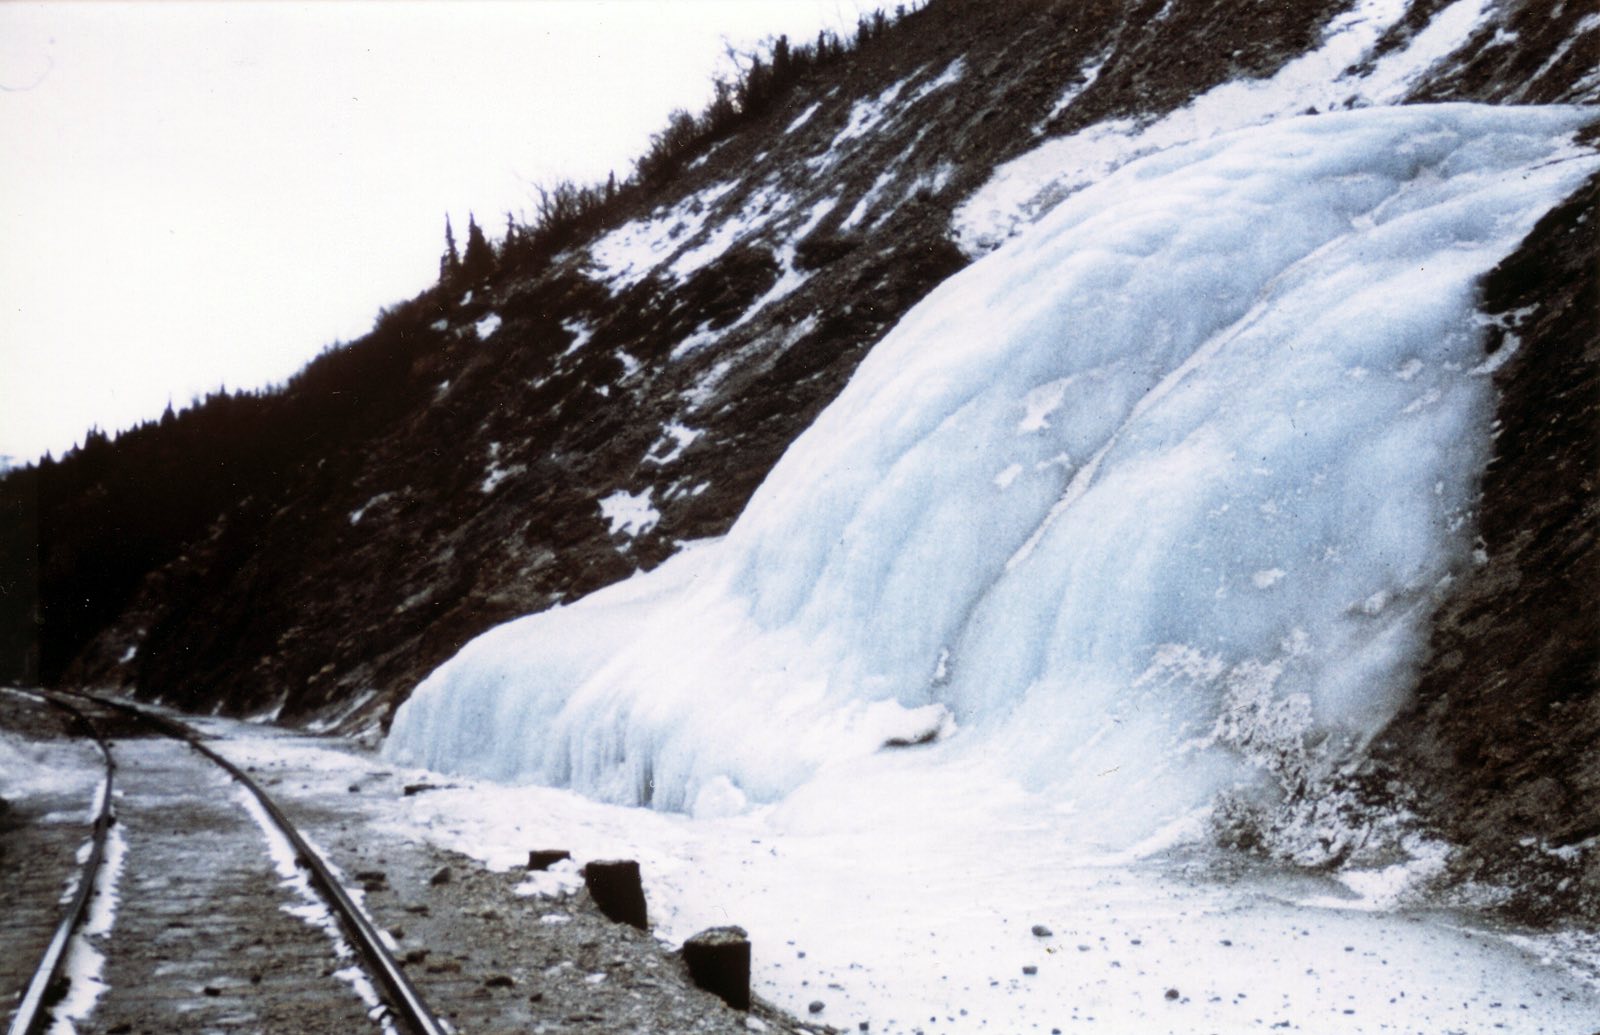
(1041, 931)
(544, 858)
(1172, 993)
(719, 962)
(212, 990)
(1030, 969)
(925, 737)
(817, 1006)
(440, 876)
(498, 981)
(416, 956)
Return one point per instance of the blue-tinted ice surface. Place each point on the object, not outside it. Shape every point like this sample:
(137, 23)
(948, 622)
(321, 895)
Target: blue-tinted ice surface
(1167, 486)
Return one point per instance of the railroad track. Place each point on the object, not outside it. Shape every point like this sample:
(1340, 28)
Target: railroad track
(205, 938)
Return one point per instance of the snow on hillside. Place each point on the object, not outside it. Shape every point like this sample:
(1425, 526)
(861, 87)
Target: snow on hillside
(677, 241)
(1332, 76)
(1130, 513)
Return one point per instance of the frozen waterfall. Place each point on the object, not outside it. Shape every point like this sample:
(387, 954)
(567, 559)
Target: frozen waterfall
(1154, 496)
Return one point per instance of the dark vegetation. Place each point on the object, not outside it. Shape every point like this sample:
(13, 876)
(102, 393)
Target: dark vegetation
(89, 526)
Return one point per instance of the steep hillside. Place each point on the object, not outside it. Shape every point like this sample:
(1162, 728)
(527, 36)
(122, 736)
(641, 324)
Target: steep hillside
(1502, 741)
(732, 306)
(497, 447)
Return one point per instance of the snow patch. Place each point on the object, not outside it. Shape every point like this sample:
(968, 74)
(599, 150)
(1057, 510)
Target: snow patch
(497, 474)
(46, 768)
(868, 113)
(350, 707)
(1585, 87)
(761, 207)
(803, 118)
(867, 200)
(932, 182)
(626, 255)
(1087, 77)
(865, 116)
(675, 438)
(581, 333)
(952, 74)
(1449, 30)
(361, 511)
(85, 963)
(629, 514)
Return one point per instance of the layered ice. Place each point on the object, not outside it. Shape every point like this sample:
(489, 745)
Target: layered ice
(1147, 501)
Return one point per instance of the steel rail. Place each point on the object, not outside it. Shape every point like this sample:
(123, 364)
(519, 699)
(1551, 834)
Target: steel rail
(33, 1012)
(404, 1001)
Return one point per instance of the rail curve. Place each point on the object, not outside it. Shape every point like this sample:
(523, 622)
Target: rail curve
(405, 1005)
(33, 1013)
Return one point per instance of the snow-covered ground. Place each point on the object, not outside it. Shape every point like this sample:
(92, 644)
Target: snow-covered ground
(46, 769)
(916, 910)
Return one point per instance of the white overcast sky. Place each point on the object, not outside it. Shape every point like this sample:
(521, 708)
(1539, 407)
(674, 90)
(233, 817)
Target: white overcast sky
(204, 193)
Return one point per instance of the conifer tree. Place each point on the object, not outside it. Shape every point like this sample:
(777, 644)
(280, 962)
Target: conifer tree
(478, 261)
(450, 261)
